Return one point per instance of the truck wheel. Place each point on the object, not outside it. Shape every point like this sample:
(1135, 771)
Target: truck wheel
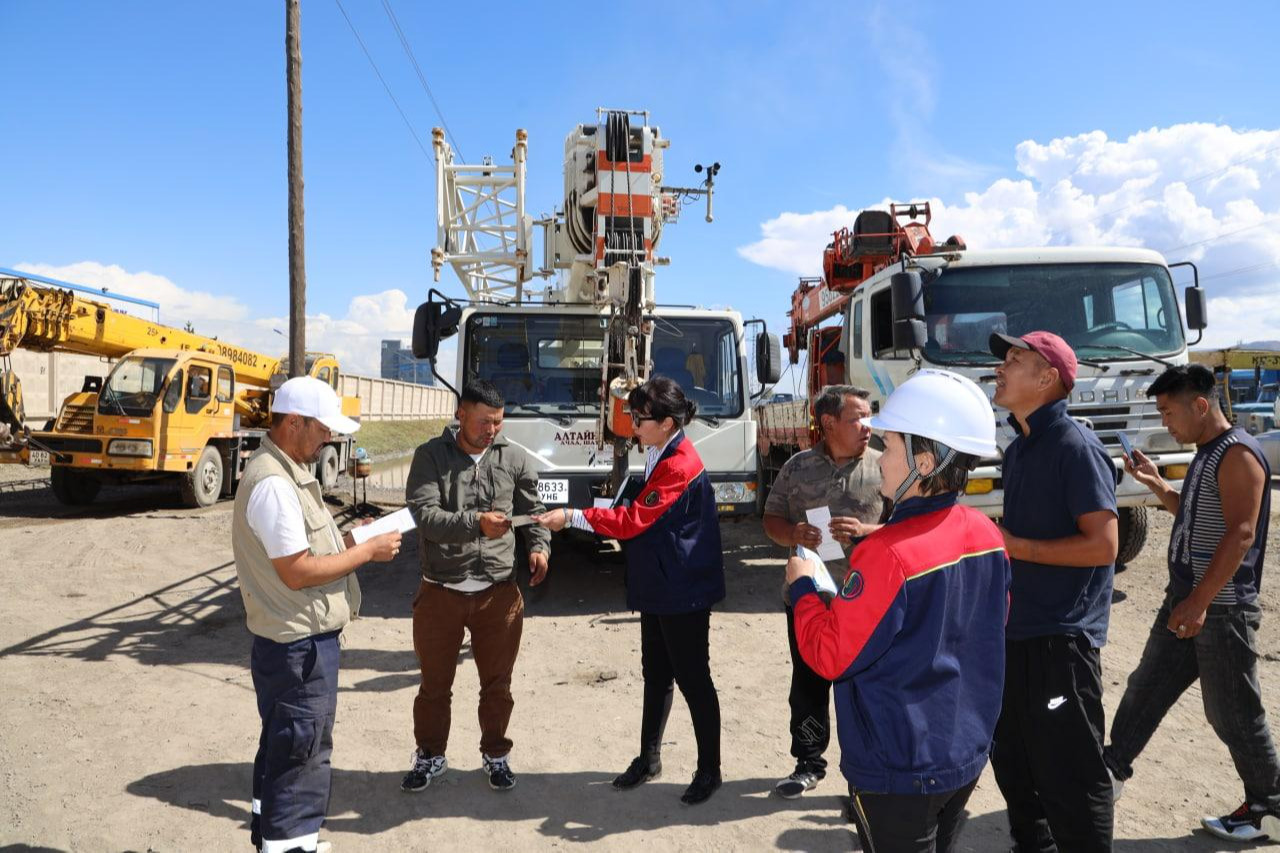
(327, 467)
(72, 487)
(203, 483)
(1133, 533)
(762, 489)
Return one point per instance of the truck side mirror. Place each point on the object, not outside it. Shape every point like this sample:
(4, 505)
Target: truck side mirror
(907, 290)
(768, 359)
(1197, 308)
(432, 323)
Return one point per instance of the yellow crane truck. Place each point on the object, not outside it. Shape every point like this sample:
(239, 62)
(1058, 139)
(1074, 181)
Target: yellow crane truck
(175, 406)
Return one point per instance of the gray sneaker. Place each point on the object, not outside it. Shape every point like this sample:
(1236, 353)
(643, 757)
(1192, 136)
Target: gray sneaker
(425, 768)
(796, 784)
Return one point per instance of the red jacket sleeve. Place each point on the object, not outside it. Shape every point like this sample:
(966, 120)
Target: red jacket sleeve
(667, 483)
(861, 621)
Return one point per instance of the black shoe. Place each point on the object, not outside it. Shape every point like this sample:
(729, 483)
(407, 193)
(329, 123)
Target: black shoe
(701, 788)
(499, 772)
(424, 769)
(638, 773)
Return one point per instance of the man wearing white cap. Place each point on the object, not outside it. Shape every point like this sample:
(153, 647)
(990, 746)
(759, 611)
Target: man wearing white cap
(297, 578)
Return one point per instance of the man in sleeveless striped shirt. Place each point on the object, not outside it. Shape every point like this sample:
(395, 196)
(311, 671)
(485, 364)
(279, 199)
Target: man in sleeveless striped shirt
(1207, 627)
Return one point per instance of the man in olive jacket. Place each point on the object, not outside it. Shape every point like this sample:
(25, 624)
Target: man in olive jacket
(463, 489)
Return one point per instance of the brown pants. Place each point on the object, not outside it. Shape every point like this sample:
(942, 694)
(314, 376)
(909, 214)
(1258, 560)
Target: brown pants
(495, 618)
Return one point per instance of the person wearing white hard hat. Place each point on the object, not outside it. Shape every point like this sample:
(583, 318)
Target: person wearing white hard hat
(297, 578)
(914, 638)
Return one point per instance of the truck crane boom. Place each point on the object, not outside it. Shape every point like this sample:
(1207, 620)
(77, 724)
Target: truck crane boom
(878, 238)
(50, 319)
(176, 405)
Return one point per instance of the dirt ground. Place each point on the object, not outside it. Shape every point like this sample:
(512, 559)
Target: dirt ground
(127, 717)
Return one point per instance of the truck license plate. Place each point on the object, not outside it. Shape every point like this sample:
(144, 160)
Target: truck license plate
(553, 492)
(38, 458)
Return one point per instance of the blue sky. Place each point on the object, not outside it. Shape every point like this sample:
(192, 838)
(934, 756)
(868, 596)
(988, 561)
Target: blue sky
(148, 137)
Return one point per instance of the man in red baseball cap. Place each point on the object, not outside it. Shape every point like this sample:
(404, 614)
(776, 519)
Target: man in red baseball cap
(1053, 349)
(1060, 531)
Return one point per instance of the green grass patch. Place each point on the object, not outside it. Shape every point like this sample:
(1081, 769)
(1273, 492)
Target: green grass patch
(389, 439)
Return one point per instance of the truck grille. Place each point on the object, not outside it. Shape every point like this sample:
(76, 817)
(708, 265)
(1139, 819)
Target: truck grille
(1109, 421)
(76, 419)
(70, 445)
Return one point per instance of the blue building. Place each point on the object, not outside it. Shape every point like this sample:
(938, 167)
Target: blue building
(398, 363)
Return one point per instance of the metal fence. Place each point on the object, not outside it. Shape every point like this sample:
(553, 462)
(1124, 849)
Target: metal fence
(389, 400)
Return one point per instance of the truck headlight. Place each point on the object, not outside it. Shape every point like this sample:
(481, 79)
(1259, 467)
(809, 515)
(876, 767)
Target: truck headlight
(733, 493)
(981, 486)
(129, 447)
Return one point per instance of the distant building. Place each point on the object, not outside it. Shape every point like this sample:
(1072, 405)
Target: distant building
(398, 363)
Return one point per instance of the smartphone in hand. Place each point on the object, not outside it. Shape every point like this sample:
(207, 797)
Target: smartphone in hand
(1127, 447)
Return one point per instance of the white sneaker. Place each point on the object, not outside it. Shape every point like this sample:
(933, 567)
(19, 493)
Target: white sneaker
(1247, 823)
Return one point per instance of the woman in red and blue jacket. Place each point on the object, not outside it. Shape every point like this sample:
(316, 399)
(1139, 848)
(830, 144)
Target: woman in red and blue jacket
(914, 637)
(670, 537)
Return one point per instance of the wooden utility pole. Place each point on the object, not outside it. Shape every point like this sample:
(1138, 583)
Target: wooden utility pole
(297, 243)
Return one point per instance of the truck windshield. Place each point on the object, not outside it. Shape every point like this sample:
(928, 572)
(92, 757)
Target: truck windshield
(551, 365)
(134, 386)
(1100, 309)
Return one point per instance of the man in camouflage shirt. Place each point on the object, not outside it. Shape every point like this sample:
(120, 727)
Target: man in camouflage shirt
(842, 473)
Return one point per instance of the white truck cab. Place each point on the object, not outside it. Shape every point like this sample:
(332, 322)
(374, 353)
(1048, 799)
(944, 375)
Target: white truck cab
(1116, 307)
(545, 359)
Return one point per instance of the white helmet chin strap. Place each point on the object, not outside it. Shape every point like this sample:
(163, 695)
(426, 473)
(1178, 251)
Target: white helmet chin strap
(913, 474)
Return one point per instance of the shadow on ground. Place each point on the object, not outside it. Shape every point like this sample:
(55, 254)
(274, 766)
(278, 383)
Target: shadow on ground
(199, 618)
(581, 808)
(574, 807)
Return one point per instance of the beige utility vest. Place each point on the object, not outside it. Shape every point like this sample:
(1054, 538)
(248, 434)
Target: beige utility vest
(274, 611)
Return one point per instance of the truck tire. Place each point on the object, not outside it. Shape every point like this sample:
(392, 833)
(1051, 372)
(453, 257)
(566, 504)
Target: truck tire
(762, 484)
(72, 487)
(1132, 533)
(202, 485)
(327, 467)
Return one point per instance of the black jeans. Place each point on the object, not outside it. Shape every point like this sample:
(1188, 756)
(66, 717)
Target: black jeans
(810, 701)
(1224, 657)
(1047, 754)
(909, 823)
(297, 688)
(675, 650)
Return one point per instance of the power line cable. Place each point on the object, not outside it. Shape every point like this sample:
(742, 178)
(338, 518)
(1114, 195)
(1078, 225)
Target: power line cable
(1259, 224)
(422, 78)
(383, 80)
(1197, 179)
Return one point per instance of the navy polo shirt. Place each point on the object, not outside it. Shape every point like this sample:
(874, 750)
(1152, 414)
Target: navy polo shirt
(1052, 477)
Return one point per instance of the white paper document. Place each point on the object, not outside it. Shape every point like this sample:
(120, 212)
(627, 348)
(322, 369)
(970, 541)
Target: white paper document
(829, 548)
(821, 577)
(399, 521)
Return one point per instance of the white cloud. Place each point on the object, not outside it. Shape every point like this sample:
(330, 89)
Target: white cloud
(355, 338)
(793, 242)
(175, 302)
(1202, 192)
(1242, 320)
